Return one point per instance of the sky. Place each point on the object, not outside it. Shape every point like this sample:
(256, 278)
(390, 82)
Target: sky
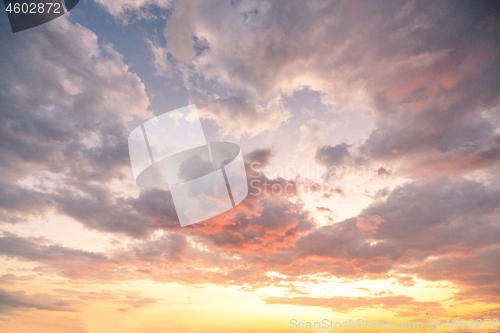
(370, 132)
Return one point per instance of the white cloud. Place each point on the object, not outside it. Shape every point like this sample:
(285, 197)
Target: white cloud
(311, 134)
(160, 59)
(119, 8)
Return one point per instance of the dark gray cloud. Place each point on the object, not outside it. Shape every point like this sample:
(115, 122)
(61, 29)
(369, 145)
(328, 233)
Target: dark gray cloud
(333, 155)
(261, 157)
(16, 203)
(194, 167)
(41, 250)
(10, 301)
(137, 217)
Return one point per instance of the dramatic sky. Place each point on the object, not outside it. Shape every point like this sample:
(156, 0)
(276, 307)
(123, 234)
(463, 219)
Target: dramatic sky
(380, 119)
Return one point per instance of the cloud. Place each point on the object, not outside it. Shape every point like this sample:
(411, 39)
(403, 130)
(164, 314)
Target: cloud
(333, 155)
(137, 217)
(430, 97)
(241, 113)
(68, 262)
(179, 32)
(433, 104)
(10, 301)
(160, 59)
(256, 54)
(277, 224)
(261, 158)
(445, 230)
(65, 103)
(311, 133)
(450, 221)
(482, 156)
(17, 203)
(371, 223)
(121, 8)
